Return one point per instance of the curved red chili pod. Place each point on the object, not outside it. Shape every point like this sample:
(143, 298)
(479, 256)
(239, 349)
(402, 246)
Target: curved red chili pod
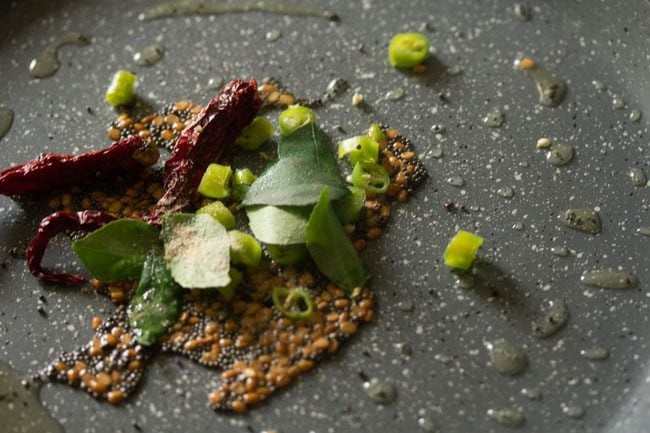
(203, 141)
(51, 226)
(52, 171)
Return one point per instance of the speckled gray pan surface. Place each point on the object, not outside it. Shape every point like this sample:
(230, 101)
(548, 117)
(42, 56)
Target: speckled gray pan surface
(445, 379)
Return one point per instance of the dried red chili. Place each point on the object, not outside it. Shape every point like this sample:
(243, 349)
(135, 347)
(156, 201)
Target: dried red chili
(52, 171)
(203, 141)
(54, 224)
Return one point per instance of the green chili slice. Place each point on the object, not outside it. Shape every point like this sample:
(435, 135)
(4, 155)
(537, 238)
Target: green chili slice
(121, 91)
(372, 177)
(461, 250)
(255, 134)
(215, 181)
(408, 49)
(375, 132)
(295, 304)
(295, 117)
(360, 149)
(242, 180)
(220, 212)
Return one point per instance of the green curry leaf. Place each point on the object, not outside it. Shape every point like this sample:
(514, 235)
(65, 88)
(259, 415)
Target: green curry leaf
(197, 250)
(117, 251)
(279, 225)
(331, 249)
(304, 166)
(157, 300)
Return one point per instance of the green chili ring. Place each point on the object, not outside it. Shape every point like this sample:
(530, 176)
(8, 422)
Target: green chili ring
(295, 304)
(373, 178)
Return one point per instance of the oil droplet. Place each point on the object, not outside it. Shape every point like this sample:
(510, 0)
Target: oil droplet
(464, 281)
(610, 279)
(532, 393)
(582, 219)
(6, 120)
(437, 152)
(560, 251)
(506, 358)
(438, 128)
(456, 181)
(406, 304)
(618, 103)
(20, 408)
(336, 87)
(560, 154)
(506, 192)
(177, 8)
(427, 425)
(550, 88)
(395, 94)
(494, 118)
(215, 82)
(523, 12)
(454, 70)
(380, 391)
(555, 316)
(638, 177)
(599, 85)
(635, 115)
(273, 35)
(149, 55)
(47, 62)
(509, 417)
(595, 353)
(519, 226)
(442, 358)
(573, 411)
(644, 231)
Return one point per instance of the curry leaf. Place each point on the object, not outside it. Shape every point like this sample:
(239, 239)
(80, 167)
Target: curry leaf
(197, 250)
(157, 300)
(331, 249)
(279, 225)
(305, 165)
(117, 251)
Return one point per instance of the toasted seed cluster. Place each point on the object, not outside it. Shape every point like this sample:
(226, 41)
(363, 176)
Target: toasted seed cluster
(109, 367)
(257, 348)
(160, 128)
(128, 197)
(406, 172)
(274, 95)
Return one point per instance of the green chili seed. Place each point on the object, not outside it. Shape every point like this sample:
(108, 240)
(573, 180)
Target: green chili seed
(294, 117)
(255, 134)
(372, 177)
(215, 181)
(220, 212)
(408, 49)
(295, 304)
(244, 249)
(121, 91)
(360, 149)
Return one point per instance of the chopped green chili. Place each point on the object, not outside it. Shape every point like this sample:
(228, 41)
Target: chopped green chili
(255, 134)
(373, 178)
(244, 249)
(292, 254)
(215, 181)
(295, 304)
(121, 91)
(360, 149)
(241, 182)
(295, 117)
(220, 212)
(461, 250)
(376, 133)
(408, 49)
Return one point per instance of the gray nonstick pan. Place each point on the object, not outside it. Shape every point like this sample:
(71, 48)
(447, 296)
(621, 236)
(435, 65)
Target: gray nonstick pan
(547, 333)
